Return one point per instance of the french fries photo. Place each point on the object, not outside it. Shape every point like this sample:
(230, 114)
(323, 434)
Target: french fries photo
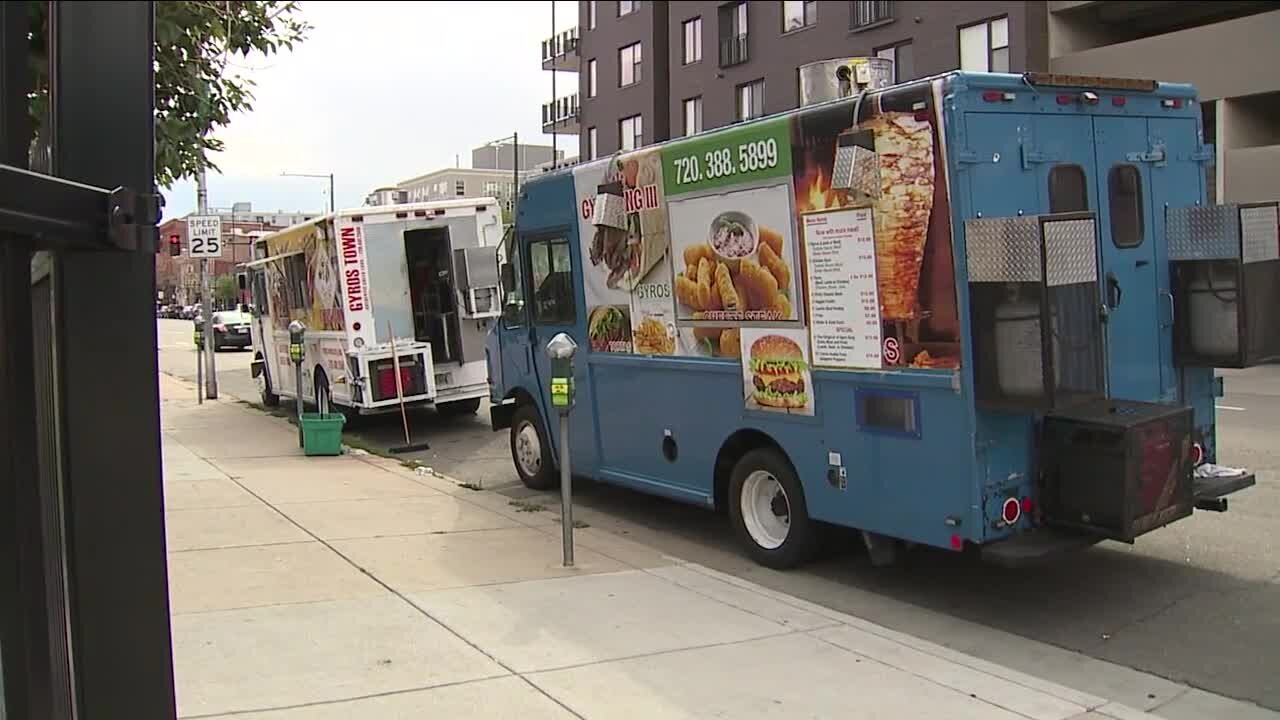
(745, 289)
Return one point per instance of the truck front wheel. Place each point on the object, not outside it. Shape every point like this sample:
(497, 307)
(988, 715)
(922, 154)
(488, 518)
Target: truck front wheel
(766, 504)
(530, 450)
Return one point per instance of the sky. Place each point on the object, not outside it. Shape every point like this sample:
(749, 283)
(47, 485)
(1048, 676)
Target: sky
(380, 92)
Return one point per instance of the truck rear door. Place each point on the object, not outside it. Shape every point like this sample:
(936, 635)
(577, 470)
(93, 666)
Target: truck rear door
(1043, 163)
(1135, 276)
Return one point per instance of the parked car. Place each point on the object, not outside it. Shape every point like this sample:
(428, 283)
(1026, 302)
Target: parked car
(230, 329)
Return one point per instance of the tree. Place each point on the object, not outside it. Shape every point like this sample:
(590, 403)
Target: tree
(226, 289)
(195, 93)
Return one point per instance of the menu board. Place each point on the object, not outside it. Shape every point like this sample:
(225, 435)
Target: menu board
(844, 304)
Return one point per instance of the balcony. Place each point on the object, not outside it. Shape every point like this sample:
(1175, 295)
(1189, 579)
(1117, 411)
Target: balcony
(560, 116)
(1223, 60)
(560, 52)
(1251, 174)
(733, 50)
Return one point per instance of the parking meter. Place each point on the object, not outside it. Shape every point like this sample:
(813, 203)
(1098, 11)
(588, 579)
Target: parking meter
(561, 350)
(199, 362)
(296, 332)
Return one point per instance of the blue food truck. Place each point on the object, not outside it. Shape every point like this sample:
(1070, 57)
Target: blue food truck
(972, 311)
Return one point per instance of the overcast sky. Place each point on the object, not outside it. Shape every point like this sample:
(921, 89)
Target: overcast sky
(380, 92)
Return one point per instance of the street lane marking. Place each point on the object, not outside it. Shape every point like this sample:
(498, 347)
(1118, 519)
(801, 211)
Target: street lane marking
(1227, 407)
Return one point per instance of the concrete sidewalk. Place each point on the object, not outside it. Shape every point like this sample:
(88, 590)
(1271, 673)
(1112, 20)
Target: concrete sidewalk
(354, 587)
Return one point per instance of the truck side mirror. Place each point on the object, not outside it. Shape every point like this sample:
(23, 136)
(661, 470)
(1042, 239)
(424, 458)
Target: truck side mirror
(508, 277)
(242, 280)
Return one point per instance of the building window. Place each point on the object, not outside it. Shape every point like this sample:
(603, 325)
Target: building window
(901, 56)
(626, 7)
(693, 116)
(551, 266)
(797, 14)
(985, 47)
(591, 78)
(733, 34)
(866, 14)
(629, 65)
(692, 40)
(591, 14)
(751, 100)
(631, 132)
(1124, 190)
(593, 145)
(460, 188)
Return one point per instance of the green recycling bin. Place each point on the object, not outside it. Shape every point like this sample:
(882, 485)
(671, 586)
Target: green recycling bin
(322, 433)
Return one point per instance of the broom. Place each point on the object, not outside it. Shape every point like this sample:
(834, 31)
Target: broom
(409, 445)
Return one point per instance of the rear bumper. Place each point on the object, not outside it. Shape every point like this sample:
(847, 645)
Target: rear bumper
(1044, 543)
(229, 340)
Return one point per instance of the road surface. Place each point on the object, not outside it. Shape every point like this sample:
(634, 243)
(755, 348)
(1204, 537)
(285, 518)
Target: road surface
(1195, 602)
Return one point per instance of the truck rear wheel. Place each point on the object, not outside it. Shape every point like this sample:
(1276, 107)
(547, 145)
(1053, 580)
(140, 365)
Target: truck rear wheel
(530, 450)
(767, 507)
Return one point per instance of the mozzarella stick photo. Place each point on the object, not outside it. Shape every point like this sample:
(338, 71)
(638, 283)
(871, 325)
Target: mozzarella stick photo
(704, 284)
(729, 298)
(776, 265)
(687, 292)
(772, 238)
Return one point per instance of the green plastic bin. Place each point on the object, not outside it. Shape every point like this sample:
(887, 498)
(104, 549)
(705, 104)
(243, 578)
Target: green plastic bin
(322, 433)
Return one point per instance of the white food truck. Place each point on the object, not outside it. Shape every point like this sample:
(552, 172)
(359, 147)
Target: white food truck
(420, 277)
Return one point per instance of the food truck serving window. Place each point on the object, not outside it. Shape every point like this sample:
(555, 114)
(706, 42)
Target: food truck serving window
(1124, 188)
(552, 272)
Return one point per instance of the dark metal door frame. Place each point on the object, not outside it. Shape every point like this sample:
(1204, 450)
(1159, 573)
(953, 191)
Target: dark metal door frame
(84, 608)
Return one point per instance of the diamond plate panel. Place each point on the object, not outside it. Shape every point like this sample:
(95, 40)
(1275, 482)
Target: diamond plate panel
(1259, 233)
(1203, 232)
(1003, 249)
(1070, 251)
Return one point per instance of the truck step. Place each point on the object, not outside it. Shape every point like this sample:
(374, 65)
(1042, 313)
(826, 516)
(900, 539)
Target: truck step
(1214, 488)
(1035, 546)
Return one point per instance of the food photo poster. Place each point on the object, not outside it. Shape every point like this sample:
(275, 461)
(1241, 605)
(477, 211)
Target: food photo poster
(775, 370)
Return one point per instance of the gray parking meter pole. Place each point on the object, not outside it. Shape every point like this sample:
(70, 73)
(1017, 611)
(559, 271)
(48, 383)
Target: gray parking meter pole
(296, 332)
(199, 362)
(561, 350)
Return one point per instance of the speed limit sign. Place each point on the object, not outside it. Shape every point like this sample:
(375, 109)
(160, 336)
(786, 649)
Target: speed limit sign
(204, 236)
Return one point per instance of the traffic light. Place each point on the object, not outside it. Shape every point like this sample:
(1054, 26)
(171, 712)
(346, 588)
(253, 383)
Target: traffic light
(175, 245)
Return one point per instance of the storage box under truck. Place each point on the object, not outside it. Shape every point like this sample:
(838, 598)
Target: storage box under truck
(969, 311)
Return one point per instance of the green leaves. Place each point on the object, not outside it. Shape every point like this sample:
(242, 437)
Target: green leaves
(197, 89)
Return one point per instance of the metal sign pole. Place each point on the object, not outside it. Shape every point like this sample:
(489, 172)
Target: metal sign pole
(200, 370)
(210, 373)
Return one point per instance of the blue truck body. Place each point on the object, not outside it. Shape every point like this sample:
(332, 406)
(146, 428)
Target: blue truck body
(674, 425)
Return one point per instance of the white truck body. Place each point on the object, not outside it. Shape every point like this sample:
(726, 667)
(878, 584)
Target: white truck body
(421, 277)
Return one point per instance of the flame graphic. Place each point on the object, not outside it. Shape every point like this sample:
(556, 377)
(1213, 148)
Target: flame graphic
(820, 195)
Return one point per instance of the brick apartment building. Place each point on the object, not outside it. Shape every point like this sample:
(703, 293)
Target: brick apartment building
(649, 70)
(178, 277)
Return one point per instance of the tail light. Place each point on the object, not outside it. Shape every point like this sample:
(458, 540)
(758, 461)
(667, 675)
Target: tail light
(1197, 454)
(1011, 511)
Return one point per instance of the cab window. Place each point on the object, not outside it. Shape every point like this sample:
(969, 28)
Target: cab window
(552, 272)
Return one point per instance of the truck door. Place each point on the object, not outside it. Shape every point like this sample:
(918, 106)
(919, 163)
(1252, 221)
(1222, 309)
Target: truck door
(554, 305)
(1135, 280)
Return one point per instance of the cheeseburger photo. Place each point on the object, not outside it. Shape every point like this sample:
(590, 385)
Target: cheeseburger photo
(778, 373)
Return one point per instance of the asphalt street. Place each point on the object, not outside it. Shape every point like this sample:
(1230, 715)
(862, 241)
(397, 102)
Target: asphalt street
(1195, 603)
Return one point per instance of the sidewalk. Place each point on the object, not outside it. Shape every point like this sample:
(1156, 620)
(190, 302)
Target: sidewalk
(352, 586)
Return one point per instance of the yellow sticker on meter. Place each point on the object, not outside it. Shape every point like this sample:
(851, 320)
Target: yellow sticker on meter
(560, 391)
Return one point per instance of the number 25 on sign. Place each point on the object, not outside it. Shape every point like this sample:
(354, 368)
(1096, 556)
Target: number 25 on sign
(204, 233)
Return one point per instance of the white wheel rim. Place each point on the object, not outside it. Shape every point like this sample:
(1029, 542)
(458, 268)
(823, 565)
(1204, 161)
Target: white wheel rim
(766, 510)
(528, 450)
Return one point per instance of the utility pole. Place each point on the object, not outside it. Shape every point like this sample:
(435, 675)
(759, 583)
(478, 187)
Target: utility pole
(206, 298)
